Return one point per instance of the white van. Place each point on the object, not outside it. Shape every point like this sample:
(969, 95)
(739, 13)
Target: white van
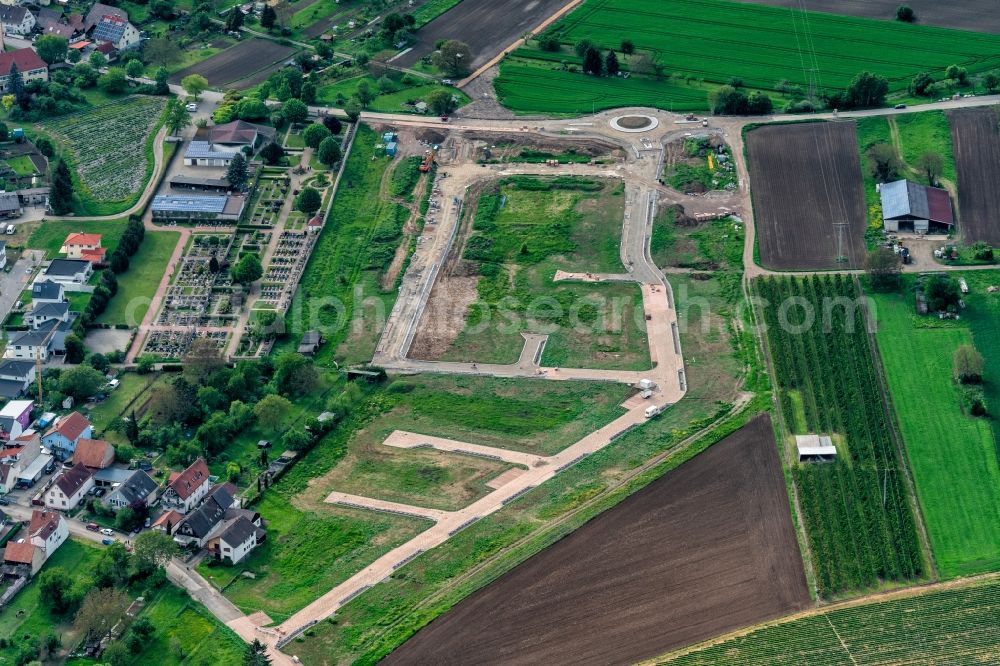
(10, 229)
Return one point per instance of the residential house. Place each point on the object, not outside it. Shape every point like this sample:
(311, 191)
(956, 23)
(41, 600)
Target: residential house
(16, 20)
(167, 521)
(37, 343)
(69, 488)
(202, 523)
(187, 488)
(98, 11)
(47, 312)
(47, 530)
(77, 243)
(235, 541)
(138, 490)
(116, 31)
(29, 65)
(71, 273)
(25, 558)
(47, 291)
(203, 153)
(10, 205)
(94, 453)
(15, 377)
(15, 417)
(239, 134)
(21, 450)
(8, 477)
(63, 437)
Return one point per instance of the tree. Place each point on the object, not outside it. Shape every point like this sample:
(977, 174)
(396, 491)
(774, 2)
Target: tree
(15, 84)
(628, 47)
(247, 270)
(957, 73)
(256, 655)
(80, 382)
(153, 549)
(252, 108)
(453, 56)
(126, 519)
(883, 267)
(268, 17)
(592, 63)
(931, 164)
(333, 124)
(991, 81)
(272, 153)
(97, 60)
(942, 293)
(920, 83)
(177, 117)
(314, 134)
(52, 48)
(113, 81)
(74, 56)
(329, 151)
(308, 94)
(549, 42)
(968, 365)
(194, 84)
(885, 161)
(202, 360)
(295, 111)
(234, 19)
(905, 14)
(162, 51)
(308, 201)
(867, 90)
(161, 80)
(61, 195)
(582, 46)
(99, 362)
(238, 173)
(353, 109)
(759, 104)
(55, 588)
(271, 411)
(134, 69)
(440, 101)
(727, 100)
(296, 439)
(364, 94)
(75, 351)
(611, 64)
(163, 9)
(102, 609)
(294, 374)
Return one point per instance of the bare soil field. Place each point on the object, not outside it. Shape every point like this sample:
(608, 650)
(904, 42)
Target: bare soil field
(239, 62)
(808, 197)
(978, 15)
(705, 549)
(487, 27)
(975, 139)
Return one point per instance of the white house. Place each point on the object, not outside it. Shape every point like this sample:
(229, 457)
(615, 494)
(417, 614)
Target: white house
(72, 274)
(47, 312)
(188, 488)
(47, 530)
(117, 31)
(69, 488)
(16, 20)
(236, 541)
(29, 66)
(15, 377)
(139, 489)
(47, 291)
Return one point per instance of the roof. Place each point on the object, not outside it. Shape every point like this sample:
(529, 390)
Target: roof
(67, 267)
(15, 408)
(47, 15)
(107, 48)
(190, 479)
(93, 452)
(71, 480)
(238, 532)
(202, 520)
(35, 467)
(50, 309)
(80, 238)
(59, 29)
(311, 338)
(22, 553)
(903, 198)
(11, 14)
(239, 132)
(70, 426)
(190, 203)
(25, 59)
(9, 201)
(205, 150)
(46, 289)
(99, 11)
(815, 445)
(193, 181)
(95, 255)
(43, 523)
(137, 487)
(10, 388)
(172, 517)
(111, 475)
(16, 368)
(110, 29)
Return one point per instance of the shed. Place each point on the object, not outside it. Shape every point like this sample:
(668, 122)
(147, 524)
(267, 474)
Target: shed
(391, 148)
(908, 206)
(815, 448)
(311, 340)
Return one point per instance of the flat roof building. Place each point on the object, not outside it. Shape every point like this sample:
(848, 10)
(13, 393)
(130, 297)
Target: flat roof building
(815, 448)
(198, 207)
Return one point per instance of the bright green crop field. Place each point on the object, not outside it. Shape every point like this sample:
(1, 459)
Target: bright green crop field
(706, 43)
(953, 456)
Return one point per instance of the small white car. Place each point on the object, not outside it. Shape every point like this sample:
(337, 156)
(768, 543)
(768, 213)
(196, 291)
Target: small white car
(107, 531)
(192, 107)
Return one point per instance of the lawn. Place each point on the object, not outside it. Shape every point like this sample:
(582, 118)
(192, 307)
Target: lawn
(386, 102)
(132, 386)
(872, 130)
(524, 231)
(21, 165)
(431, 9)
(138, 284)
(50, 234)
(953, 455)
(927, 132)
(714, 41)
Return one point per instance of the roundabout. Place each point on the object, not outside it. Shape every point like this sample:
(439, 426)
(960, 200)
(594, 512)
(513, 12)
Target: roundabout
(634, 123)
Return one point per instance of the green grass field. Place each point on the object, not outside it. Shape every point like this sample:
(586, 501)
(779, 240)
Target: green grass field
(186, 633)
(388, 102)
(138, 284)
(710, 42)
(953, 456)
(50, 234)
(920, 133)
(954, 626)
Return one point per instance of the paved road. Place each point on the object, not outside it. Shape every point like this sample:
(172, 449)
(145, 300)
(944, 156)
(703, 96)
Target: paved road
(18, 279)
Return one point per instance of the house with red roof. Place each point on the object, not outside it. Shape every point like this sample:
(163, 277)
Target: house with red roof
(94, 453)
(47, 530)
(69, 488)
(188, 488)
(29, 65)
(63, 437)
(24, 557)
(77, 243)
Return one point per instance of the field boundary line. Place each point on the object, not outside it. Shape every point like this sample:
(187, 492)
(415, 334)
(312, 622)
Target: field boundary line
(842, 643)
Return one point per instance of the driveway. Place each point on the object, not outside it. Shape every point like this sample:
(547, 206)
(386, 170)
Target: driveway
(17, 280)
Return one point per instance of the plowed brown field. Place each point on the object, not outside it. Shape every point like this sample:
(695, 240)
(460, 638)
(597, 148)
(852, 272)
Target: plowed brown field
(975, 137)
(808, 200)
(705, 549)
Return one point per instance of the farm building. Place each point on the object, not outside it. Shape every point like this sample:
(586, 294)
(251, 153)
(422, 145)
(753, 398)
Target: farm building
(182, 182)
(10, 205)
(908, 206)
(815, 448)
(204, 153)
(198, 207)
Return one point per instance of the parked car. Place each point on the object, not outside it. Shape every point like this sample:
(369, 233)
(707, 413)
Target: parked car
(100, 492)
(192, 107)
(146, 522)
(107, 542)
(107, 531)
(899, 106)
(93, 527)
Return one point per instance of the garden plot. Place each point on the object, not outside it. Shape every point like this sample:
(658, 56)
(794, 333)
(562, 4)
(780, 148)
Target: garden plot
(268, 200)
(110, 146)
(698, 164)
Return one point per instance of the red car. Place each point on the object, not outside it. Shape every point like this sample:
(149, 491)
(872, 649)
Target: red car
(93, 527)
